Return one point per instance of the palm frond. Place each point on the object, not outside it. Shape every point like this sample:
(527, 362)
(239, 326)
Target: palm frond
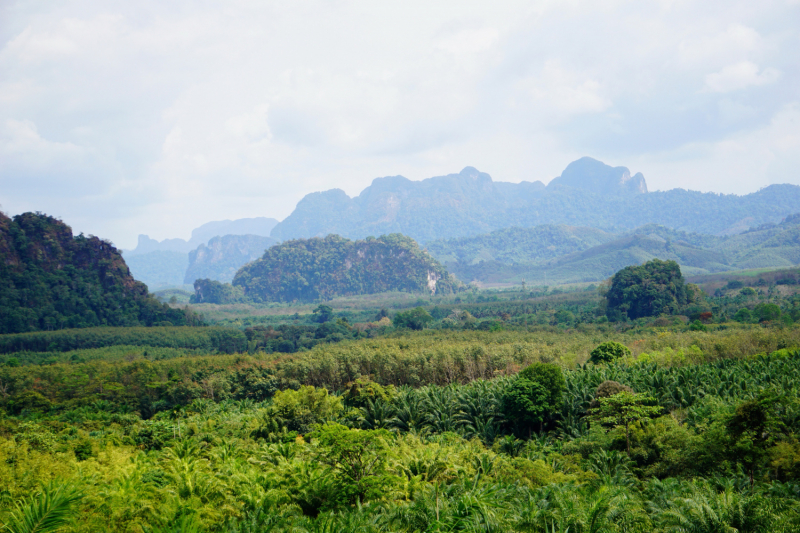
(48, 510)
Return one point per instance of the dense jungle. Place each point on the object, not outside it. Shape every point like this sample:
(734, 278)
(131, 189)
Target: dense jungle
(568, 409)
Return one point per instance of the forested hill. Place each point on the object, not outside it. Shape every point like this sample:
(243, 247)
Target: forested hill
(52, 280)
(318, 269)
(518, 245)
(588, 193)
(564, 254)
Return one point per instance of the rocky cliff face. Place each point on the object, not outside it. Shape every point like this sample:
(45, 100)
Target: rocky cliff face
(222, 257)
(595, 176)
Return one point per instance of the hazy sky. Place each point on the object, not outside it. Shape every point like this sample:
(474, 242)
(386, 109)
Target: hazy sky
(155, 117)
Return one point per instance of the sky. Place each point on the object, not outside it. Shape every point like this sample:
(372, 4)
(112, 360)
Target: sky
(155, 117)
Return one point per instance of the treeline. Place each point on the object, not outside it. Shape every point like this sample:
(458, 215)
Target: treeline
(224, 340)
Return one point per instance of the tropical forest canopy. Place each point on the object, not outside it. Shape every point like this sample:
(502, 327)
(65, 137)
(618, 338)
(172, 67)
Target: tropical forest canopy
(513, 410)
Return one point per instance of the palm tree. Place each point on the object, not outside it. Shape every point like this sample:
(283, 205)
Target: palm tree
(729, 511)
(48, 510)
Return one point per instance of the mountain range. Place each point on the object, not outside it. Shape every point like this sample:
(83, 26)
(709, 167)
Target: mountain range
(244, 226)
(496, 231)
(588, 193)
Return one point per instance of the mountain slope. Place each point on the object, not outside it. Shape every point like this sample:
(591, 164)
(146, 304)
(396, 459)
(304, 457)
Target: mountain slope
(319, 269)
(770, 246)
(52, 280)
(518, 245)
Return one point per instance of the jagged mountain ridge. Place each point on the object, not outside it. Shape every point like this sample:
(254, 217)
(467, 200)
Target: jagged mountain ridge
(588, 193)
(260, 226)
(595, 176)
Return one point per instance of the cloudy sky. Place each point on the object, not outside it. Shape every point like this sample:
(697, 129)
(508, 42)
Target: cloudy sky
(154, 117)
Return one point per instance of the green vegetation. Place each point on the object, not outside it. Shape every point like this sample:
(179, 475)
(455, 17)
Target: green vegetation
(319, 269)
(225, 443)
(566, 254)
(51, 280)
(197, 338)
(654, 288)
(416, 318)
(214, 292)
(608, 351)
(520, 410)
(511, 246)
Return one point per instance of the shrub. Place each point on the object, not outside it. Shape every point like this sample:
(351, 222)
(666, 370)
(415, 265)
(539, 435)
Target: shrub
(608, 351)
(416, 318)
(83, 451)
(767, 312)
(697, 326)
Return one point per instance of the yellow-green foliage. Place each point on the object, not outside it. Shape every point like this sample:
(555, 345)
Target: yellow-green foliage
(413, 358)
(223, 474)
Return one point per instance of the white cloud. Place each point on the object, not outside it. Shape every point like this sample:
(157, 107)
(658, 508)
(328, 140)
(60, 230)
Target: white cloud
(740, 76)
(702, 48)
(469, 41)
(743, 162)
(155, 117)
(559, 90)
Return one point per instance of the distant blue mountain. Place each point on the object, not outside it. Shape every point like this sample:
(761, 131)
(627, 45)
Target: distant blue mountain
(588, 193)
(260, 226)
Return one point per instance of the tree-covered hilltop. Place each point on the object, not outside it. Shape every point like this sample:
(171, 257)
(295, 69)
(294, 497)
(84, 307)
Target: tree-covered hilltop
(52, 280)
(318, 269)
(654, 288)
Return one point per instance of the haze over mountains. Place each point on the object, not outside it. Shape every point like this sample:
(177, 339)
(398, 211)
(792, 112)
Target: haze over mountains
(243, 226)
(174, 262)
(588, 193)
(586, 223)
(567, 254)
